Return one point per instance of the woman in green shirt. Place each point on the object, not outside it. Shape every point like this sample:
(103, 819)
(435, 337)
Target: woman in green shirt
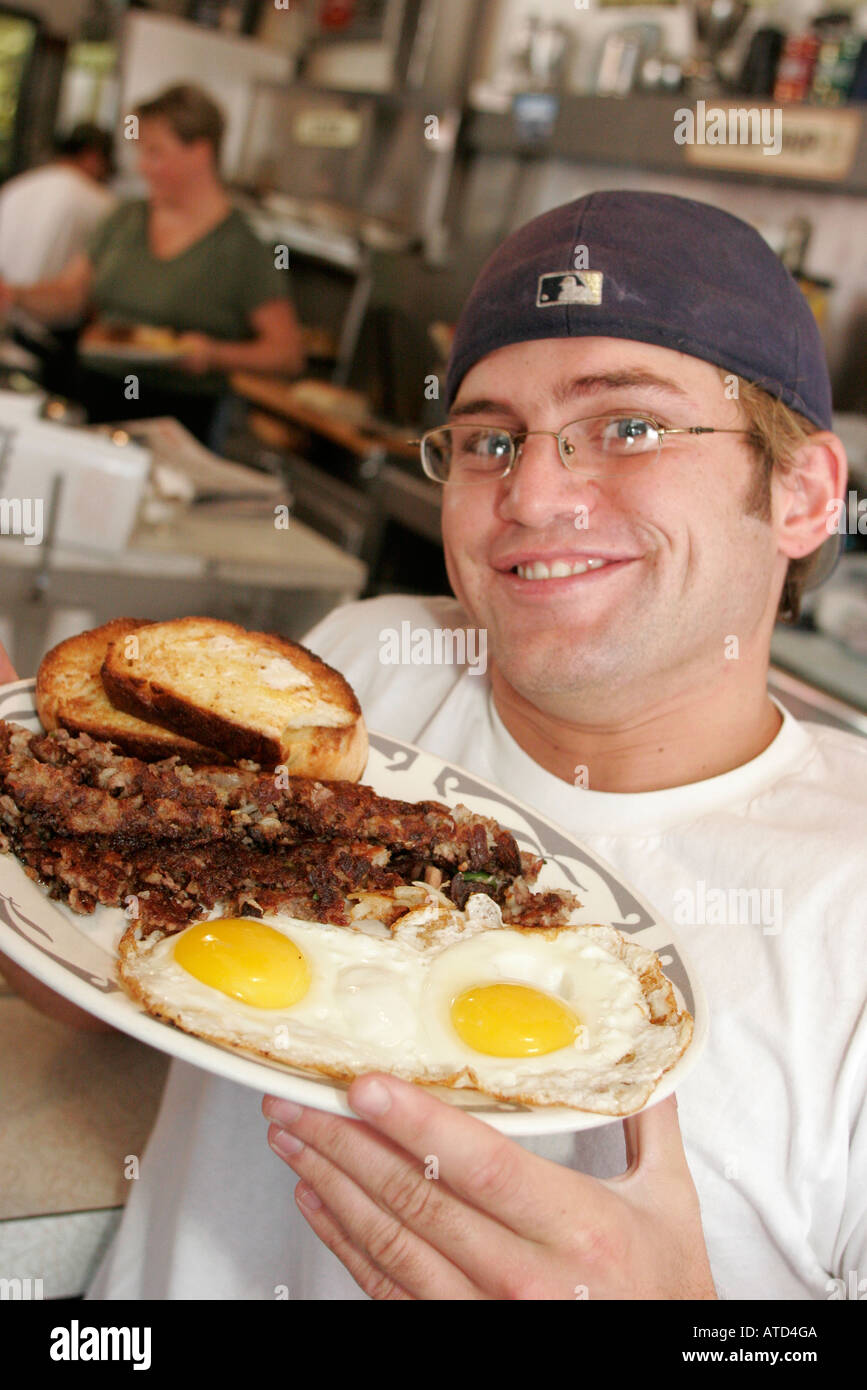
(184, 259)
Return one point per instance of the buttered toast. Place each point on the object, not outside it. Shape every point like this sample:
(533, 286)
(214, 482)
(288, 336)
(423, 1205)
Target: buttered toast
(250, 694)
(70, 695)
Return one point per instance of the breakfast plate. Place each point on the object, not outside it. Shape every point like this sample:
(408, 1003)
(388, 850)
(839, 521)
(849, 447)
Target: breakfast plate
(129, 352)
(75, 954)
(131, 343)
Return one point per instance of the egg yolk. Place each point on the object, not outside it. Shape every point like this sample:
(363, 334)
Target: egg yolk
(510, 1020)
(246, 960)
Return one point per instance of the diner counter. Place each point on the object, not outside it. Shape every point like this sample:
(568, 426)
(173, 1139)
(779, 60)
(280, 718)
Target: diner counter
(74, 1111)
(215, 559)
(223, 544)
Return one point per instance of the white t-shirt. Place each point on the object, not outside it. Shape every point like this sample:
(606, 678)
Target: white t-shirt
(773, 1116)
(46, 217)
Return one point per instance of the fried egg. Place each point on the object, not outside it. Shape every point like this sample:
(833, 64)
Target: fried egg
(573, 1015)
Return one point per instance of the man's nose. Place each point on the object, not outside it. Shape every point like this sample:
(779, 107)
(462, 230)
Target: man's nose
(540, 486)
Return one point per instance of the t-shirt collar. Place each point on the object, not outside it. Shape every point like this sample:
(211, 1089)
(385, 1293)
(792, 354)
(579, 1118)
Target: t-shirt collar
(590, 812)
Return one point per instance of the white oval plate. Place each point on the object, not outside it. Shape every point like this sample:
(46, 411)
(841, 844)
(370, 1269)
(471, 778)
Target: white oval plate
(75, 954)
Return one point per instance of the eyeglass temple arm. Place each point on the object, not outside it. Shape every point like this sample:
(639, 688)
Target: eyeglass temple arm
(702, 429)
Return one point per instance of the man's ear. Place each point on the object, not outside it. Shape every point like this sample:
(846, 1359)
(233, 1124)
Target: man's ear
(807, 494)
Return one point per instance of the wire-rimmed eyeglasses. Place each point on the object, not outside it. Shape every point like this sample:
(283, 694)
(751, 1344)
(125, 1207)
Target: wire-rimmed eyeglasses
(590, 448)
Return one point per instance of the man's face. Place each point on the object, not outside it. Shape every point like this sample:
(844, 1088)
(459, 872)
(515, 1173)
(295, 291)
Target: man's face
(687, 568)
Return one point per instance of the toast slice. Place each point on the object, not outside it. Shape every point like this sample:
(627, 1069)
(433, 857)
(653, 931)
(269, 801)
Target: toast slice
(70, 695)
(251, 694)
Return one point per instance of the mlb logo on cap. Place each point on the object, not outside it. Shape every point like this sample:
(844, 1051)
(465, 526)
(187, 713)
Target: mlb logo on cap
(569, 287)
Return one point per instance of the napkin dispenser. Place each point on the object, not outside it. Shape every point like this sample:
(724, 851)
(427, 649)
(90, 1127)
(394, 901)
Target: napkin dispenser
(100, 484)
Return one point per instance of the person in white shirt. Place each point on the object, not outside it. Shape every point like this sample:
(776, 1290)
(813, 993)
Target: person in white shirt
(48, 214)
(625, 513)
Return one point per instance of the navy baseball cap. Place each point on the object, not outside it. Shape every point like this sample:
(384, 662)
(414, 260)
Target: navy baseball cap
(658, 269)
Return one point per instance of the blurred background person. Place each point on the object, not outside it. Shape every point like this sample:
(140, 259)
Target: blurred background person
(182, 259)
(47, 215)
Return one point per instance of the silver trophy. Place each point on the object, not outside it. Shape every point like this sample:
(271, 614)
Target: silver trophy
(716, 23)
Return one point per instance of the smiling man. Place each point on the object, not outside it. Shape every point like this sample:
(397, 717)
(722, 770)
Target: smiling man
(635, 483)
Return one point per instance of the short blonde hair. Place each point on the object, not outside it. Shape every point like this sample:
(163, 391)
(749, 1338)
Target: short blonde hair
(776, 431)
(191, 113)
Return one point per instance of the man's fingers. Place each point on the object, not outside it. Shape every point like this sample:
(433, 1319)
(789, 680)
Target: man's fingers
(654, 1142)
(369, 1279)
(410, 1192)
(394, 1252)
(488, 1170)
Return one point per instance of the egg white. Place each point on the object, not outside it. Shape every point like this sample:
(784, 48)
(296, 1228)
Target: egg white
(360, 1010)
(602, 992)
(379, 1003)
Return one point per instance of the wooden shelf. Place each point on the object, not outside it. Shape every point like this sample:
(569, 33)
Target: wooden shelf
(637, 132)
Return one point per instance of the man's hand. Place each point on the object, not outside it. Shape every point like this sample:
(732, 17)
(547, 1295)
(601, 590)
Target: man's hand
(424, 1201)
(7, 670)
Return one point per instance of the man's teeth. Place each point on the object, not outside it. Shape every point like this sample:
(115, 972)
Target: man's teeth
(560, 569)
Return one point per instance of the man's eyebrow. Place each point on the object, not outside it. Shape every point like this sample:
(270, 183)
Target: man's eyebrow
(612, 381)
(568, 389)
